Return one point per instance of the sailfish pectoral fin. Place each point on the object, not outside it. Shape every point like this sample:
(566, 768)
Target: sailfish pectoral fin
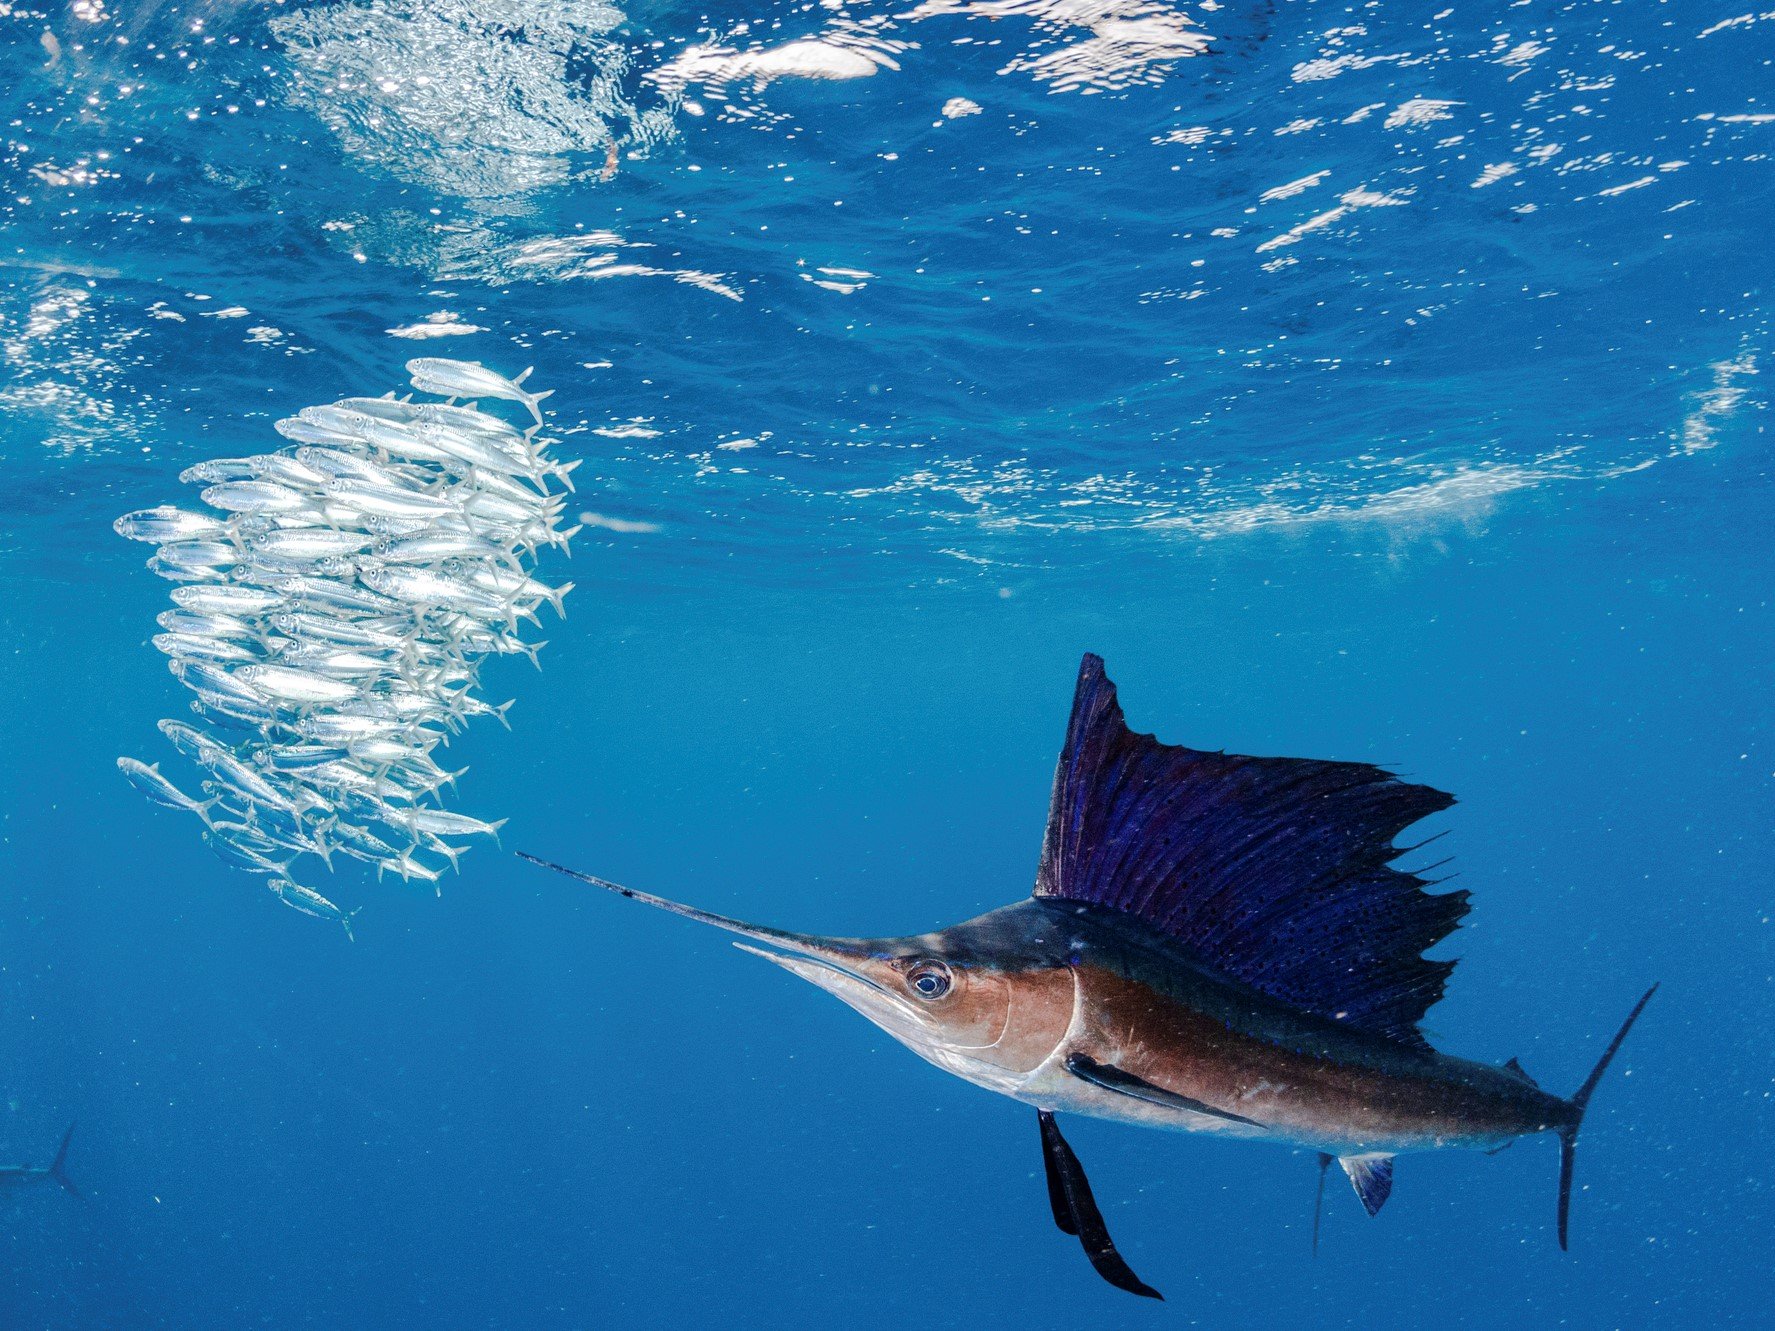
(1075, 1211)
(1111, 1078)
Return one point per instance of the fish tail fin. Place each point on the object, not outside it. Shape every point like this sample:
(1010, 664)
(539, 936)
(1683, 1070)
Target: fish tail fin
(558, 595)
(57, 1171)
(564, 538)
(1568, 1133)
(502, 709)
(346, 920)
(494, 827)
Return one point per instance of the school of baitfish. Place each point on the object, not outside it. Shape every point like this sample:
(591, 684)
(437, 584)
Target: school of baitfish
(333, 609)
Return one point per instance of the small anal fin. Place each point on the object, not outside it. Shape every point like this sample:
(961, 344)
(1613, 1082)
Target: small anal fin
(1513, 1066)
(1372, 1177)
(1075, 1211)
(1111, 1078)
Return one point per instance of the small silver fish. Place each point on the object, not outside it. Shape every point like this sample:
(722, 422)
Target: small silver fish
(470, 379)
(197, 574)
(364, 840)
(310, 902)
(198, 554)
(298, 757)
(329, 594)
(220, 650)
(243, 857)
(207, 626)
(333, 661)
(231, 711)
(442, 822)
(300, 431)
(298, 686)
(344, 728)
(387, 501)
(166, 523)
(380, 408)
(338, 463)
(188, 740)
(146, 777)
(433, 547)
(213, 679)
(229, 600)
(418, 586)
(410, 868)
(254, 497)
(217, 470)
(469, 420)
(310, 544)
(225, 764)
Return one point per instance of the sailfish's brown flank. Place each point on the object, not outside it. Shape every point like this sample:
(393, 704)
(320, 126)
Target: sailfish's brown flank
(1215, 944)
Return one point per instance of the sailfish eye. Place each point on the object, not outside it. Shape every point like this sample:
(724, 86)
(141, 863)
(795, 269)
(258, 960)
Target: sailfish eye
(930, 980)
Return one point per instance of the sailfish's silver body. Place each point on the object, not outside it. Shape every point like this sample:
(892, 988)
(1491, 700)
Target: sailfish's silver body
(1215, 944)
(1090, 982)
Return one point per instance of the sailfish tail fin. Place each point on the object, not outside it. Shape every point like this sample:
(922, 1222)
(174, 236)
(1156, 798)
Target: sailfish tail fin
(1568, 1134)
(56, 1170)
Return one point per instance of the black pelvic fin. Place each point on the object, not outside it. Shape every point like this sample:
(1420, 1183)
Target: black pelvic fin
(1513, 1066)
(1112, 1078)
(1068, 1188)
(1568, 1135)
(1275, 871)
(1372, 1178)
(1319, 1198)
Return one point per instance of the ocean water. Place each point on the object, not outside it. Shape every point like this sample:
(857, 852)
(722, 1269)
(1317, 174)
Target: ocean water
(1373, 381)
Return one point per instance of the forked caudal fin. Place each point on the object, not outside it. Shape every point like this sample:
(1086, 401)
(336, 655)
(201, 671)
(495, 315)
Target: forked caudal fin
(1568, 1135)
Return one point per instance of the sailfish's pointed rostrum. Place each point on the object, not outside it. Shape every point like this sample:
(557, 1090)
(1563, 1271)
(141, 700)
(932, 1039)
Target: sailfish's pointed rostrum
(1216, 944)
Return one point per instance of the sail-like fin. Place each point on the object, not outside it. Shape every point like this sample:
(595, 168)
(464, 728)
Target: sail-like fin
(1319, 1197)
(1274, 871)
(1111, 1078)
(1067, 1182)
(1372, 1177)
(1511, 1065)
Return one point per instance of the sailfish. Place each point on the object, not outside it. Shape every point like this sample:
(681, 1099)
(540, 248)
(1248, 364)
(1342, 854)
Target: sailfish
(1216, 944)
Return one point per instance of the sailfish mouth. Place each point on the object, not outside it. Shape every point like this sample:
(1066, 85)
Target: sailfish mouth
(826, 962)
(818, 965)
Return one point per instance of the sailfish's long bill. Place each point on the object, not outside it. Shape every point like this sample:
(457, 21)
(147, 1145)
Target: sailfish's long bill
(1215, 944)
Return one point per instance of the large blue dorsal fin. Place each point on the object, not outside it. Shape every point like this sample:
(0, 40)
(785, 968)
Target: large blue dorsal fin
(1372, 1178)
(1275, 871)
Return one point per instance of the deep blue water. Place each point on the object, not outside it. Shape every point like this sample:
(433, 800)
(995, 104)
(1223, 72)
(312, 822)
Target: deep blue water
(1379, 386)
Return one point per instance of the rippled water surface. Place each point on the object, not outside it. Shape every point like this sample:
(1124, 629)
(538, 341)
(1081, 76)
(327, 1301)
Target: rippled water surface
(1369, 380)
